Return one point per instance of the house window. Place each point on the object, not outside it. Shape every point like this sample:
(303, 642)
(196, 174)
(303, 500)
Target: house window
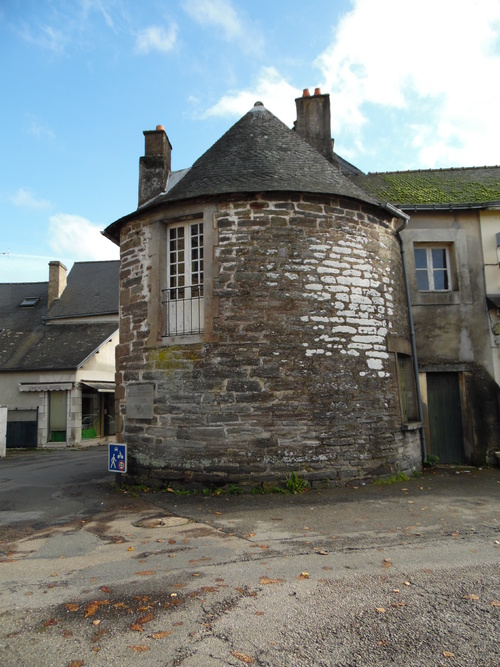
(432, 264)
(183, 298)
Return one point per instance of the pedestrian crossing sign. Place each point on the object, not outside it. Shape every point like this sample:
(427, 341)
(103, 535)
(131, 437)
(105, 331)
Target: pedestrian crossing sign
(117, 458)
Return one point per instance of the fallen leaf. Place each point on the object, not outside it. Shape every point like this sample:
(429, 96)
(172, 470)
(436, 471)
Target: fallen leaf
(145, 619)
(218, 513)
(76, 663)
(448, 654)
(387, 562)
(171, 541)
(196, 574)
(266, 580)
(119, 605)
(72, 606)
(260, 613)
(92, 607)
(322, 553)
(407, 583)
(136, 627)
(51, 621)
(146, 573)
(139, 648)
(105, 589)
(471, 597)
(161, 635)
(380, 610)
(130, 549)
(95, 622)
(303, 575)
(244, 658)
(495, 603)
(54, 574)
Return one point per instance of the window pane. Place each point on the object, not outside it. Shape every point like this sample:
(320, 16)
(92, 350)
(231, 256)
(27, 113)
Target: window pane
(420, 258)
(439, 258)
(441, 280)
(422, 281)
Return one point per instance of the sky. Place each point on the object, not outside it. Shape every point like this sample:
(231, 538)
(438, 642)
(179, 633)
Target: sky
(414, 84)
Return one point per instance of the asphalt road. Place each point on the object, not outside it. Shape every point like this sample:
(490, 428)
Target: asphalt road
(400, 574)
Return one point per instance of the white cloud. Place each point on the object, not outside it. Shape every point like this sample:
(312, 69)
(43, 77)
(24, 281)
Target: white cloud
(39, 131)
(222, 15)
(156, 38)
(435, 62)
(271, 89)
(77, 238)
(25, 199)
(47, 37)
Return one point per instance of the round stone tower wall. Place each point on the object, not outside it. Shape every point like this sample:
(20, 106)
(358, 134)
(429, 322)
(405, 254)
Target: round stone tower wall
(295, 371)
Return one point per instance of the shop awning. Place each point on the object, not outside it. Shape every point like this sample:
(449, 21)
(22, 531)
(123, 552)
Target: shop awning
(101, 387)
(46, 386)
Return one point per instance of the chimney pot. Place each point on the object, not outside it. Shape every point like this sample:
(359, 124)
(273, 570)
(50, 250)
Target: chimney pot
(155, 165)
(313, 122)
(305, 92)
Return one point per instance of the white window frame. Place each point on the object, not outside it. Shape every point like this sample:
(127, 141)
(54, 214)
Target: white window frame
(430, 270)
(183, 297)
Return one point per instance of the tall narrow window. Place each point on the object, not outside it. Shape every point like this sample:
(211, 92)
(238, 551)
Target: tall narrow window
(183, 298)
(432, 264)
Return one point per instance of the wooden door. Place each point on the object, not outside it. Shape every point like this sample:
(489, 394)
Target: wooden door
(445, 417)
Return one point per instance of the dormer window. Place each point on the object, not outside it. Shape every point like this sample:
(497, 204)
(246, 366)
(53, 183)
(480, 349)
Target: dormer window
(29, 302)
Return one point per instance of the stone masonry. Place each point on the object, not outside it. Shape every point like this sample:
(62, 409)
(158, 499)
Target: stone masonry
(294, 372)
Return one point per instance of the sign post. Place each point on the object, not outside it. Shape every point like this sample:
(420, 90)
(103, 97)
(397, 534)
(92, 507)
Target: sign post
(117, 458)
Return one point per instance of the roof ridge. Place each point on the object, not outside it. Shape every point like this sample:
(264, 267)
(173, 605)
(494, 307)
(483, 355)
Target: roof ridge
(438, 169)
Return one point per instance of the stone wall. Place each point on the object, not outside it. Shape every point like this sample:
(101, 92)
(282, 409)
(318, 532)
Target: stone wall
(297, 374)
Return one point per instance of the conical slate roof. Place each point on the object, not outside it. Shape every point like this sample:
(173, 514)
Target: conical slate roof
(259, 153)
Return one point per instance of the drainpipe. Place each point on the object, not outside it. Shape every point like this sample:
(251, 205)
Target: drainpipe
(397, 212)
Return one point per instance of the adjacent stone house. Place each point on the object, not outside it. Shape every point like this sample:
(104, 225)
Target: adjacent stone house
(451, 258)
(264, 325)
(57, 356)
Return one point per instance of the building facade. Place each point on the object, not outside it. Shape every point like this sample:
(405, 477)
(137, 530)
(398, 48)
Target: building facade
(264, 326)
(57, 359)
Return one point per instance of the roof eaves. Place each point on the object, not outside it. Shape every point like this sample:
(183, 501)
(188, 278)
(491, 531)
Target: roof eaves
(94, 352)
(466, 206)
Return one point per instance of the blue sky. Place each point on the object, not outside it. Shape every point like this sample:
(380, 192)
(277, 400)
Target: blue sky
(413, 84)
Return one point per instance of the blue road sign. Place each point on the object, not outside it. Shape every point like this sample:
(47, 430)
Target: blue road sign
(117, 458)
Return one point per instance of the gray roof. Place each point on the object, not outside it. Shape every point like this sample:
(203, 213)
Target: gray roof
(27, 343)
(53, 347)
(17, 322)
(92, 289)
(259, 153)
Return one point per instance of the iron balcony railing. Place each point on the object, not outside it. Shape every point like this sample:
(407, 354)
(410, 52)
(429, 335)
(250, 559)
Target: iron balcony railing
(183, 309)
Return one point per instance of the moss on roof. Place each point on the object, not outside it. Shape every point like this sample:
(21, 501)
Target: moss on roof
(476, 185)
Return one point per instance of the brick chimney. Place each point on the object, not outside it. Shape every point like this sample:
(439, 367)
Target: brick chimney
(314, 123)
(57, 281)
(155, 165)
